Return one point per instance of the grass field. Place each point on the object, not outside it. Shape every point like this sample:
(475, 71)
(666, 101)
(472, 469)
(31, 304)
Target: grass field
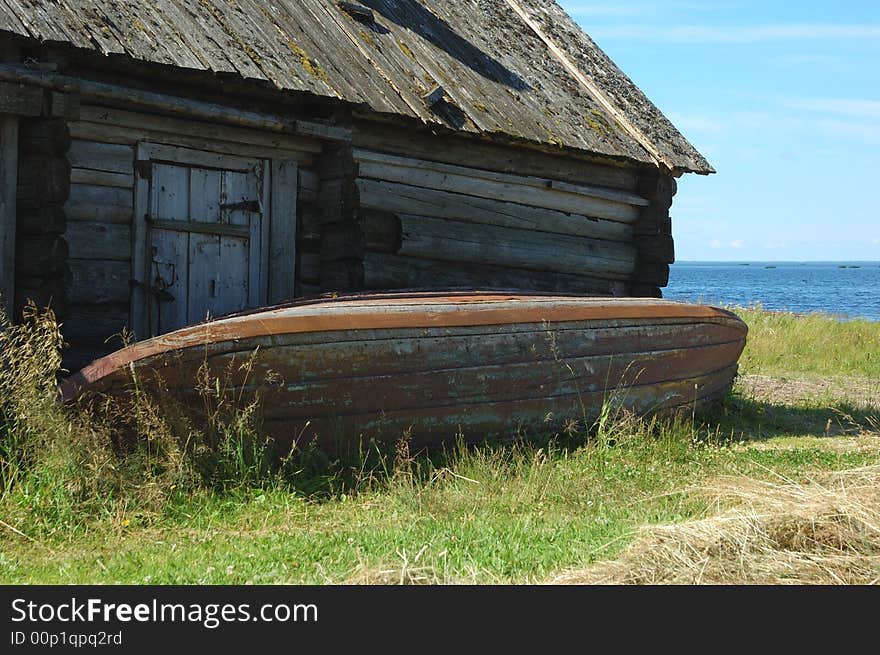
(781, 484)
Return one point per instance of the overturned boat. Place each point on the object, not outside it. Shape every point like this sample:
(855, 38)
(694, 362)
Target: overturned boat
(436, 367)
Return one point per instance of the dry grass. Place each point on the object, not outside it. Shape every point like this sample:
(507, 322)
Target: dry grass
(825, 531)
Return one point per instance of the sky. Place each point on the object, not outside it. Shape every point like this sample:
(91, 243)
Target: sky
(782, 98)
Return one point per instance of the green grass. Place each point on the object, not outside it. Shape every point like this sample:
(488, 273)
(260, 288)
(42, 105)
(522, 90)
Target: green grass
(81, 508)
(814, 344)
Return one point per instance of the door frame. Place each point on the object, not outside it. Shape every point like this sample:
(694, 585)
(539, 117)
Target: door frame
(147, 154)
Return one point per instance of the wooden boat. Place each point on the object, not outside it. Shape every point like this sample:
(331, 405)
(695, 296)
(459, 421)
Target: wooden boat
(438, 366)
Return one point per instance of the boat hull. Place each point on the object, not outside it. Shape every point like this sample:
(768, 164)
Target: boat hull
(437, 367)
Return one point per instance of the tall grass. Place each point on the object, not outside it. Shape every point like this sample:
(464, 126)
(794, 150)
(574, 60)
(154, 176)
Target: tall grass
(66, 466)
(63, 466)
(112, 475)
(783, 342)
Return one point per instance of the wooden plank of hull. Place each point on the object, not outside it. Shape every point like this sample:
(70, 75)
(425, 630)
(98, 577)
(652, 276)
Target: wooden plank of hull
(316, 399)
(506, 419)
(417, 311)
(439, 365)
(309, 357)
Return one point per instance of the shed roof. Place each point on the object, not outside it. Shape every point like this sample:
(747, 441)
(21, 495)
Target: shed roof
(516, 68)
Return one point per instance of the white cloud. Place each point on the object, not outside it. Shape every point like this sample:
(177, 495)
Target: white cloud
(735, 33)
(703, 124)
(739, 243)
(842, 106)
(715, 243)
(861, 131)
(636, 9)
(602, 10)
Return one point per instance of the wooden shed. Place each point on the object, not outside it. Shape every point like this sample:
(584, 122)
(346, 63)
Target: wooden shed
(166, 160)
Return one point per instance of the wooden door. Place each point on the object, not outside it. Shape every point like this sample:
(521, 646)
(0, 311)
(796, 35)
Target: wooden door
(204, 235)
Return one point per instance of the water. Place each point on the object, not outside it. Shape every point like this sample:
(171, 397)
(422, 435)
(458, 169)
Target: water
(849, 289)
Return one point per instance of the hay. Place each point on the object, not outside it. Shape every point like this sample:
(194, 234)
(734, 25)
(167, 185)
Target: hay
(824, 531)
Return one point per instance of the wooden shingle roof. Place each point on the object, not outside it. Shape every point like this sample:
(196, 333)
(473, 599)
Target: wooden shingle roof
(516, 68)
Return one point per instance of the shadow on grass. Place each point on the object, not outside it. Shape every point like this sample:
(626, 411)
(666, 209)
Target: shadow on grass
(735, 418)
(748, 419)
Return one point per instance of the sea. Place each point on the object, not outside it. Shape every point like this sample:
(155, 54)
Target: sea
(848, 290)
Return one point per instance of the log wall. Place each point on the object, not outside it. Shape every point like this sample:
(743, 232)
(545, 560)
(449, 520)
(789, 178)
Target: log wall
(76, 205)
(42, 271)
(656, 250)
(391, 211)
(404, 222)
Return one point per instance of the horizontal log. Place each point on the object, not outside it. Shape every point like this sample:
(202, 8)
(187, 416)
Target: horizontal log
(41, 220)
(639, 290)
(305, 290)
(406, 199)
(342, 275)
(310, 267)
(656, 248)
(41, 256)
(374, 230)
(655, 274)
(659, 189)
(382, 271)
(125, 135)
(309, 223)
(64, 105)
(94, 321)
(42, 179)
(342, 241)
(101, 178)
(546, 198)
(383, 231)
(99, 282)
(107, 241)
(309, 184)
(654, 221)
(99, 204)
(110, 157)
(337, 200)
(337, 162)
(590, 191)
(21, 99)
(464, 151)
(44, 137)
(207, 130)
(122, 96)
(35, 168)
(501, 246)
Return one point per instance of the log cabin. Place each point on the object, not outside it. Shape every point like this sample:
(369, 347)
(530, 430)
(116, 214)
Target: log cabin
(170, 160)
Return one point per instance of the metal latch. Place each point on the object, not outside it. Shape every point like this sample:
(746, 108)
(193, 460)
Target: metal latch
(254, 206)
(159, 292)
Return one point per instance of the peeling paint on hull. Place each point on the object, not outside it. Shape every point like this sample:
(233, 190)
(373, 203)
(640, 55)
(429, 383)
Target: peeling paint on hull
(440, 366)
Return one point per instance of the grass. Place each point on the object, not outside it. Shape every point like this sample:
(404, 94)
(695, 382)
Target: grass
(812, 344)
(630, 500)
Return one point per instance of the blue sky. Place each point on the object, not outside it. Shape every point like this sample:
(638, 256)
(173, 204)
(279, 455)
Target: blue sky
(783, 98)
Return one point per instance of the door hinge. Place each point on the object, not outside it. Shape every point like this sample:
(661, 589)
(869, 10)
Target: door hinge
(143, 169)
